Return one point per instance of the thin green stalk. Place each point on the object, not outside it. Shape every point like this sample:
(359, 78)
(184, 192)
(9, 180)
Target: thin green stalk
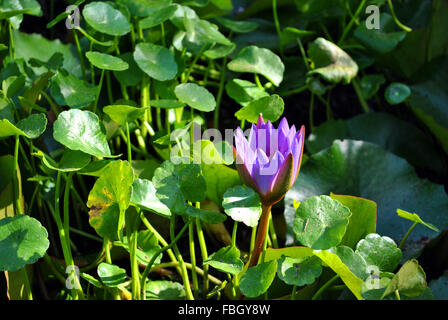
(50, 101)
(324, 287)
(11, 42)
(397, 294)
(189, 266)
(194, 275)
(128, 143)
(293, 293)
(86, 235)
(358, 91)
(235, 226)
(163, 249)
(16, 182)
(252, 239)
(131, 233)
(406, 236)
(110, 96)
(106, 246)
(257, 81)
(394, 16)
(98, 90)
(220, 92)
(272, 232)
(193, 63)
(352, 21)
(81, 56)
(204, 253)
(277, 26)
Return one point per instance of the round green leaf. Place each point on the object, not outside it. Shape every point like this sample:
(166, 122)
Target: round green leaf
(156, 61)
(271, 107)
(208, 216)
(366, 170)
(299, 272)
(81, 130)
(370, 84)
(257, 280)
(111, 275)
(331, 62)
(132, 75)
(109, 198)
(227, 260)
(353, 260)
(164, 290)
(397, 93)
(261, 61)
(243, 91)
(156, 16)
(104, 18)
(122, 114)
(383, 40)
(67, 90)
(242, 204)
(410, 280)
(106, 61)
(71, 160)
(31, 127)
(237, 26)
(219, 178)
(23, 240)
(195, 96)
(321, 222)
(379, 251)
(166, 104)
(144, 196)
(177, 183)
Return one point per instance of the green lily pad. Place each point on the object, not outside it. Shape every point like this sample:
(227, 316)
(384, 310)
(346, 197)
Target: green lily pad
(122, 114)
(177, 183)
(383, 40)
(219, 51)
(271, 107)
(144, 196)
(31, 127)
(243, 91)
(111, 275)
(71, 160)
(201, 32)
(12, 85)
(166, 104)
(23, 240)
(370, 84)
(393, 134)
(195, 96)
(261, 61)
(109, 199)
(364, 169)
(92, 280)
(321, 222)
(299, 272)
(132, 75)
(208, 216)
(157, 16)
(67, 90)
(106, 61)
(353, 260)
(219, 178)
(379, 251)
(415, 218)
(156, 61)
(164, 290)
(257, 280)
(410, 280)
(104, 18)
(142, 8)
(227, 260)
(331, 62)
(242, 204)
(362, 220)
(237, 26)
(83, 131)
(331, 259)
(397, 93)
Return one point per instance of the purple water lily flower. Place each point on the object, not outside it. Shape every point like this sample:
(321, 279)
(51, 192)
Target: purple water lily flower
(269, 161)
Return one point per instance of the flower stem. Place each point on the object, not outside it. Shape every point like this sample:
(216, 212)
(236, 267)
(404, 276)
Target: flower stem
(261, 235)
